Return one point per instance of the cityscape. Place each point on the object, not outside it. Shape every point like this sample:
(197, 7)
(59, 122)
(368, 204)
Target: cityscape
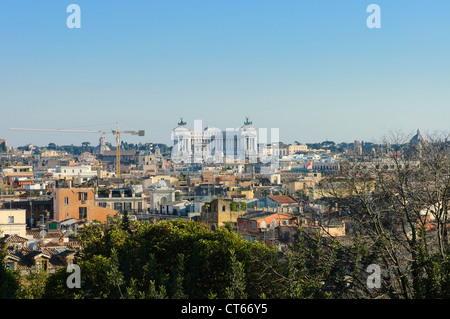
(230, 162)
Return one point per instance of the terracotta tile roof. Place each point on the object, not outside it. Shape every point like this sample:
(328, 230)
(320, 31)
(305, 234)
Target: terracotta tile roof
(55, 256)
(36, 233)
(283, 199)
(51, 245)
(13, 239)
(257, 215)
(37, 253)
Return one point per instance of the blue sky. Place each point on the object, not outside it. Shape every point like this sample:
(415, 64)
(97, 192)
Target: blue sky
(310, 68)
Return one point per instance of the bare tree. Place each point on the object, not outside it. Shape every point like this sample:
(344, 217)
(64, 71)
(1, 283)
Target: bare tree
(397, 201)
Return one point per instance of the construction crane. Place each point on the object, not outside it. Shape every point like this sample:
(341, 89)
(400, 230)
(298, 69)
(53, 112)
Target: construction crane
(116, 132)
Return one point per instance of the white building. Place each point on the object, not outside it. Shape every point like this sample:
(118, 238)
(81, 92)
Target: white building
(37, 187)
(212, 145)
(83, 172)
(161, 194)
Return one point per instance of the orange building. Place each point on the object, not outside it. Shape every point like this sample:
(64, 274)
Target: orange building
(78, 203)
(226, 180)
(262, 226)
(13, 174)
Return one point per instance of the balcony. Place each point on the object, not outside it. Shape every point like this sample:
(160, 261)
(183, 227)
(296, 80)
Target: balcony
(115, 195)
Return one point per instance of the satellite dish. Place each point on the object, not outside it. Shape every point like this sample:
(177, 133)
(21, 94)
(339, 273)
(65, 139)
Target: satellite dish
(33, 246)
(263, 225)
(43, 233)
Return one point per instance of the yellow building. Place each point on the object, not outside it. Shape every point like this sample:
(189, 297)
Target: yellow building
(153, 180)
(12, 222)
(304, 184)
(292, 149)
(218, 212)
(49, 153)
(240, 192)
(341, 190)
(299, 186)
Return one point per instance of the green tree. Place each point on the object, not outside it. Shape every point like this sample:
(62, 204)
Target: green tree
(178, 279)
(183, 259)
(33, 284)
(237, 287)
(56, 286)
(171, 259)
(126, 221)
(132, 291)
(9, 280)
(313, 268)
(114, 275)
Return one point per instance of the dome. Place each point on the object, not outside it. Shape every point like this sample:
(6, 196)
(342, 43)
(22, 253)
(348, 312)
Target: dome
(418, 138)
(102, 147)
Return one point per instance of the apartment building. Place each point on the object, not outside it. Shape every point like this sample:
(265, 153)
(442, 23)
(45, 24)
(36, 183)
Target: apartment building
(79, 204)
(82, 172)
(13, 174)
(262, 225)
(121, 199)
(12, 222)
(292, 149)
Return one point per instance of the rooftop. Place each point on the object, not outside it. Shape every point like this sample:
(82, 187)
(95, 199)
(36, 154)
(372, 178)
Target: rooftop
(283, 199)
(13, 239)
(260, 215)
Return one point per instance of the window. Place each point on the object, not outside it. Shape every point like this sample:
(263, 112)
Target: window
(41, 265)
(254, 225)
(66, 201)
(82, 213)
(11, 219)
(245, 224)
(82, 196)
(10, 265)
(118, 206)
